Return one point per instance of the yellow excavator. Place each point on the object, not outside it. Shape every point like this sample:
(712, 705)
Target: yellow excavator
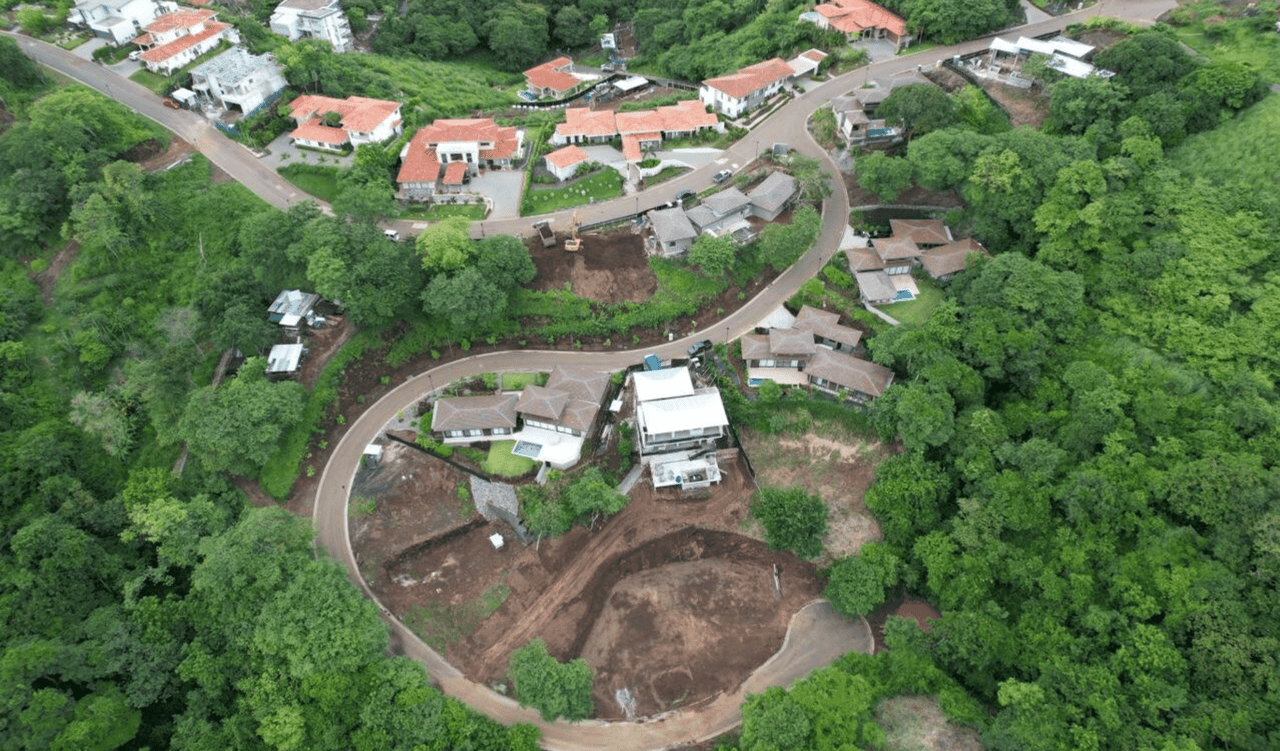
(573, 243)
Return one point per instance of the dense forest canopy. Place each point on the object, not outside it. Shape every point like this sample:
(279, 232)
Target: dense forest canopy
(1092, 430)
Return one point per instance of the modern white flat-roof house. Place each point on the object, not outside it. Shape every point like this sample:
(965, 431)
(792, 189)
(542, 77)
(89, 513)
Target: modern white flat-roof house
(317, 19)
(118, 21)
(680, 423)
(238, 79)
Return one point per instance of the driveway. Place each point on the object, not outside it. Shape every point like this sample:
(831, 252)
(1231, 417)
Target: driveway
(695, 158)
(503, 187)
(603, 154)
(879, 49)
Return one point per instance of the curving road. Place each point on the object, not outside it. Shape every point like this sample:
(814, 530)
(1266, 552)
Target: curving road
(817, 635)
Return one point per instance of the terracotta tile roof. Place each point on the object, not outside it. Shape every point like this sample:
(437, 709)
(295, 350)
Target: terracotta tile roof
(949, 259)
(631, 145)
(313, 130)
(580, 121)
(505, 147)
(474, 413)
(543, 402)
(852, 16)
(791, 342)
(849, 371)
(454, 172)
(751, 78)
(579, 383)
(471, 130)
(184, 42)
(419, 164)
(685, 116)
(643, 121)
(921, 231)
(179, 20)
(815, 55)
(358, 113)
(567, 157)
(548, 75)
(142, 40)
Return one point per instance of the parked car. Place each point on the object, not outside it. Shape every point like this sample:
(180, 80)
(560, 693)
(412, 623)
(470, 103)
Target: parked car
(135, 54)
(392, 235)
(723, 175)
(683, 196)
(172, 103)
(698, 348)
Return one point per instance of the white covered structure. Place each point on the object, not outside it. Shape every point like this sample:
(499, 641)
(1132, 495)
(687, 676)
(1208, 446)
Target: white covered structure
(691, 422)
(318, 19)
(285, 359)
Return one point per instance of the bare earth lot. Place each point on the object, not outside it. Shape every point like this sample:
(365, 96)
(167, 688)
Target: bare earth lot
(611, 267)
(667, 599)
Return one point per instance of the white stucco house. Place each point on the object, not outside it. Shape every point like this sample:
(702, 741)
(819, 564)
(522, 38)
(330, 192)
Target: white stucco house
(118, 21)
(317, 19)
(741, 92)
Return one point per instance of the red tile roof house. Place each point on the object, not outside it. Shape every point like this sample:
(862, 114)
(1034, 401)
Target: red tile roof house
(362, 121)
(564, 162)
(747, 89)
(551, 79)
(175, 39)
(862, 19)
(468, 144)
(640, 131)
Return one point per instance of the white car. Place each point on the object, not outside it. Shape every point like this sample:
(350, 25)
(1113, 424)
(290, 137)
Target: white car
(135, 54)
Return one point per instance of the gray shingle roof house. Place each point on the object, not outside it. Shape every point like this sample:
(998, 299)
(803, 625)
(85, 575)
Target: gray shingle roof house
(876, 287)
(470, 418)
(789, 343)
(832, 371)
(540, 401)
(924, 233)
(673, 231)
(945, 261)
(771, 197)
(568, 403)
(827, 330)
(719, 210)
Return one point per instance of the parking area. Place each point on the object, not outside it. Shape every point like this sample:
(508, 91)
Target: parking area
(503, 187)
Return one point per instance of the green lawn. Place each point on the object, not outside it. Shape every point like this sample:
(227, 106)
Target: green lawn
(321, 182)
(442, 626)
(517, 381)
(472, 211)
(601, 186)
(503, 463)
(665, 175)
(917, 310)
(153, 81)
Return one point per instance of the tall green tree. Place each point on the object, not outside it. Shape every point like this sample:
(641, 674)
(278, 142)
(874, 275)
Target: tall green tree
(792, 519)
(238, 425)
(554, 688)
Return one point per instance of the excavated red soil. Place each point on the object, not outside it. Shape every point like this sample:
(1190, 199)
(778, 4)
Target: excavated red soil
(611, 267)
(904, 605)
(645, 598)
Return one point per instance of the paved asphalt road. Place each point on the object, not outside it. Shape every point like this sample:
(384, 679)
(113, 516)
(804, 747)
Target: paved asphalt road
(815, 635)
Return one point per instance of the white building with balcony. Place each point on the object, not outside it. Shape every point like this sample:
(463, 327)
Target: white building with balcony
(315, 19)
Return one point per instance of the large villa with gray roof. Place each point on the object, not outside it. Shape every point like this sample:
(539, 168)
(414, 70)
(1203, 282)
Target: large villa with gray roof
(548, 423)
